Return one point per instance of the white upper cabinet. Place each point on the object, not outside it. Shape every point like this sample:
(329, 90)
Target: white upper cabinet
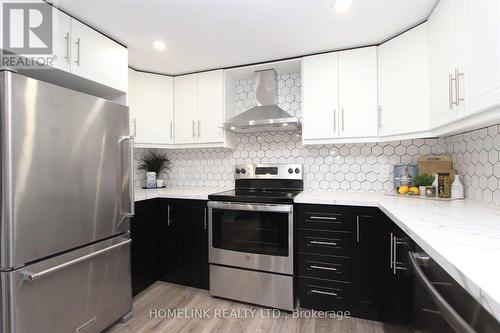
(443, 57)
(98, 58)
(403, 83)
(61, 40)
(153, 110)
(185, 105)
(358, 116)
(320, 87)
(479, 31)
(210, 101)
(199, 106)
(339, 96)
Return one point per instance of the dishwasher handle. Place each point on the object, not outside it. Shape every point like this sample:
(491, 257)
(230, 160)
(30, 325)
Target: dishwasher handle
(447, 312)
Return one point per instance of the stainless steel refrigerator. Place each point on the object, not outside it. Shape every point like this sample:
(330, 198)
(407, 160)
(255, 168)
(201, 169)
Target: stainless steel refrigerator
(66, 200)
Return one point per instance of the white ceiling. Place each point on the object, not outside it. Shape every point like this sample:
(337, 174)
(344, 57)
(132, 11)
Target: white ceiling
(205, 34)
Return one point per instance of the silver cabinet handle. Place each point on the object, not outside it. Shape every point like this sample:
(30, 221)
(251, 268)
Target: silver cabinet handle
(323, 268)
(30, 276)
(169, 221)
(391, 248)
(68, 45)
(135, 127)
(394, 255)
(131, 171)
(323, 243)
(323, 292)
(199, 128)
(447, 312)
(342, 119)
(322, 218)
(357, 228)
(379, 116)
(451, 102)
(194, 134)
(457, 86)
(78, 44)
(335, 120)
(205, 218)
(171, 130)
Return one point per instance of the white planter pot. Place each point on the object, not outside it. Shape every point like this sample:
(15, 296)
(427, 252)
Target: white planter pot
(421, 189)
(150, 179)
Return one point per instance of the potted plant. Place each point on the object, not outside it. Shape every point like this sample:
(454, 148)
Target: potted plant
(423, 181)
(154, 163)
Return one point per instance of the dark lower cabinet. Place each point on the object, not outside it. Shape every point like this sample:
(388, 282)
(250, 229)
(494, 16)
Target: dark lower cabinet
(184, 238)
(169, 243)
(338, 259)
(145, 254)
(398, 283)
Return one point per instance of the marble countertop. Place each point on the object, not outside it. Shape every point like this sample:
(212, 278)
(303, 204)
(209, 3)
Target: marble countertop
(176, 193)
(462, 236)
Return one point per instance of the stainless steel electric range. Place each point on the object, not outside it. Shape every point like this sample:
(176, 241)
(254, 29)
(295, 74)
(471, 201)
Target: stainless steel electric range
(251, 235)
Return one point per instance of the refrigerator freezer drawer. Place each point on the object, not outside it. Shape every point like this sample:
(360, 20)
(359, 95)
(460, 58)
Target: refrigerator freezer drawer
(82, 291)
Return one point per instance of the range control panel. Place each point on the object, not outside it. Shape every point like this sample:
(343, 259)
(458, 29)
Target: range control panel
(268, 171)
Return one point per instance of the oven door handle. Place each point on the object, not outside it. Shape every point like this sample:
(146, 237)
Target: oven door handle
(251, 207)
(447, 311)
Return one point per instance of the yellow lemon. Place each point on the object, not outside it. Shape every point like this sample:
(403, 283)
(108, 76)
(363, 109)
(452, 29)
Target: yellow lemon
(414, 190)
(403, 189)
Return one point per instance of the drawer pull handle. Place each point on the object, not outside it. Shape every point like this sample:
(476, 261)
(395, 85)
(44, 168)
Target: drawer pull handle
(323, 268)
(323, 243)
(314, 291)
(323, 218)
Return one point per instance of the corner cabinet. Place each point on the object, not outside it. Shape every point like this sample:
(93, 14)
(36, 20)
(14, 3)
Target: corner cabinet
(199, 110)
(339, 96)
(151, 109)
(403, 84)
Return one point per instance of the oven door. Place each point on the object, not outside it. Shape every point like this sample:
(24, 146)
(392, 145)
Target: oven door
(254, 236)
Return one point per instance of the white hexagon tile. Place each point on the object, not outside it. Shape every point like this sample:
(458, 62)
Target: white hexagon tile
(348, 167)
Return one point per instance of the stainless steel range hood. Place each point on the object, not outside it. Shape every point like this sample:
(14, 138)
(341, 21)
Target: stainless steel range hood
(266, 116)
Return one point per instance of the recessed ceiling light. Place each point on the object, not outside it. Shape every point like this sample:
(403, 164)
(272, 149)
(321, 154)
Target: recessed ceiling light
(342, 5)
(159, 45)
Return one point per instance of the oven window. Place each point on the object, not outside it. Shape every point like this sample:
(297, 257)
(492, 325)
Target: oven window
(250, 232)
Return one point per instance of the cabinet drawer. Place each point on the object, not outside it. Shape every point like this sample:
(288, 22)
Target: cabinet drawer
(326, 267)
(324, 242)
(325, 217)
(324, 295)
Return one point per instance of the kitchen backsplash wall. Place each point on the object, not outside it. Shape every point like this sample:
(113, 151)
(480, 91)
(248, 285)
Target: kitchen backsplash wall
(475, 155)
(347, 167)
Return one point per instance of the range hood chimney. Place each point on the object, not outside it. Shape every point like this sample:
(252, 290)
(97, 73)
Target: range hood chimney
(266, 116)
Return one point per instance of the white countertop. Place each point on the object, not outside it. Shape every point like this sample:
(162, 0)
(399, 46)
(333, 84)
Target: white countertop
(462, 236)
(176, 193)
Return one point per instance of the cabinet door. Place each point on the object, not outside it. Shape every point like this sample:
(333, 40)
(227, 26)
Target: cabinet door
(145, 248)
(185, 105)
(98, 58)
(190, 259)
(367, 264)
(442, 57)
(61, 39)
(320, 88)
(403, 77)
(358, 115)
(479, 29)
(210, 107)
(154, 109)
(131, 102)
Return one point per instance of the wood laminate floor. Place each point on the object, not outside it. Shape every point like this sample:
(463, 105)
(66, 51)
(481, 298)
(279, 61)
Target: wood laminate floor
(188, 305)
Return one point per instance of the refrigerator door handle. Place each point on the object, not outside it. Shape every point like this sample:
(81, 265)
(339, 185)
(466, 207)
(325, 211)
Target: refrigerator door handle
(131, 172)
(31, 276)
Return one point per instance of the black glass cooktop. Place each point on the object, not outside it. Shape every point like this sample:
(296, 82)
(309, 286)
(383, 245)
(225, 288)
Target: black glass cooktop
(249, 195)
